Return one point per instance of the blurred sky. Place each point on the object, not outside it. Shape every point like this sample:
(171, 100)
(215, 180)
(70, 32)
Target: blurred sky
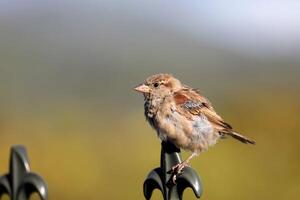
(79, 48)
(251, 27)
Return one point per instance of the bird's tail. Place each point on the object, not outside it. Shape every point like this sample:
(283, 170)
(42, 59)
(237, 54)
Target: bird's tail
(240, 137)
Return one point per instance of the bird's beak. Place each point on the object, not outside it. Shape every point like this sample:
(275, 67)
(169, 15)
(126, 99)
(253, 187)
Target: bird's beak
(142, 88)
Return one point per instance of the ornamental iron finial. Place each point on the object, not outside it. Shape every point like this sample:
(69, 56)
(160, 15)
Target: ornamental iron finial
(20, 183)
(161, 177)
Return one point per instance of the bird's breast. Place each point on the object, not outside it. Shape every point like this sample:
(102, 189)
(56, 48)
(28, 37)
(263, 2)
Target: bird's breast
(194, 134)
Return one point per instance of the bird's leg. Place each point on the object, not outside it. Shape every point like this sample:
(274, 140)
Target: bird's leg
(177, 169)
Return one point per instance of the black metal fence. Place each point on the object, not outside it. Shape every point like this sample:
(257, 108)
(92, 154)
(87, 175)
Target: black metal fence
(19, 183)
(161, 177)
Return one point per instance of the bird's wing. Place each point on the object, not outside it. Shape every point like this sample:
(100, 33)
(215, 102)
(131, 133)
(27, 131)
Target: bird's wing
(189, 102)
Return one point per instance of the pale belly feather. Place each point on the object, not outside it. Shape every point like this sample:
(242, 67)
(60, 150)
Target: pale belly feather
(195, 134)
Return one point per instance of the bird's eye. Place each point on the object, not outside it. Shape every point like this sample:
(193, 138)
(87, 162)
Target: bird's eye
(156, 85)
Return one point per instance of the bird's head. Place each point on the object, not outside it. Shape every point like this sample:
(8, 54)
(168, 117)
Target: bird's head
(160, 85)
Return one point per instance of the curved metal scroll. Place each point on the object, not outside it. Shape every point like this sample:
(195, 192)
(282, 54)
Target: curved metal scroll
(161, 177)
(20, 183)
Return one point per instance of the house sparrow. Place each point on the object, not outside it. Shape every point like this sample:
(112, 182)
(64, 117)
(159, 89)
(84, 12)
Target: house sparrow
(180, 114)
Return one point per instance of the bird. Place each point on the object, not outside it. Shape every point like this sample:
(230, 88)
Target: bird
(181, 115)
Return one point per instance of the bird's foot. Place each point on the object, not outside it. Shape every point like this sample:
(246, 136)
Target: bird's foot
(178, 169)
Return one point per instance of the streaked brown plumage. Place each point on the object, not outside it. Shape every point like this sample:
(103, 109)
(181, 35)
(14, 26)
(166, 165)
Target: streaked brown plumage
(183, 116)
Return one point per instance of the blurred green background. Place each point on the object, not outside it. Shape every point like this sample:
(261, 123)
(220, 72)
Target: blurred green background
(67, 69)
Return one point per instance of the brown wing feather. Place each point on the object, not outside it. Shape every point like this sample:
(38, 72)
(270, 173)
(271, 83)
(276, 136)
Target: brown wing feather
(190, 102)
